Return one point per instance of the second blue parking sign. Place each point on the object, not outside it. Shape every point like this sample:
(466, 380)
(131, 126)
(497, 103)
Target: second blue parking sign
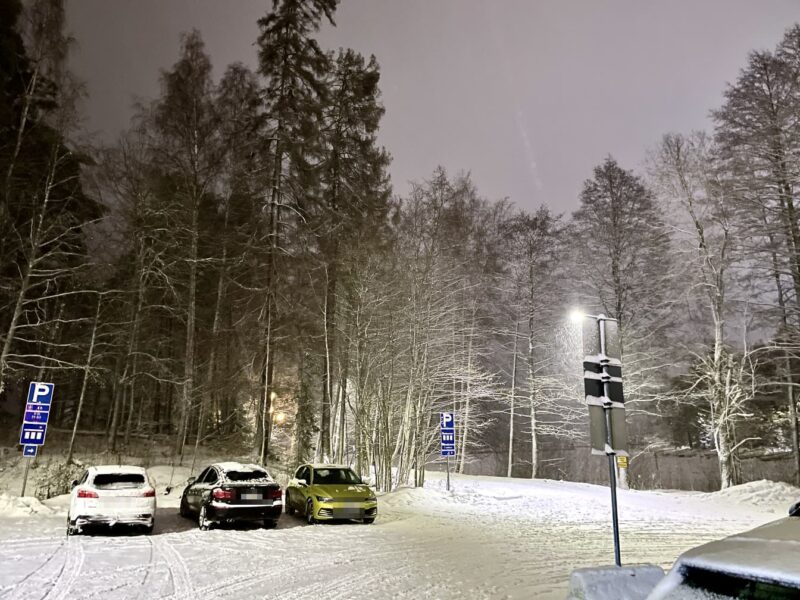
(447, 426)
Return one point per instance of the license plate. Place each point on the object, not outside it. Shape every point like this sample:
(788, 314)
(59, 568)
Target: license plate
(352, 504)
(249, 496)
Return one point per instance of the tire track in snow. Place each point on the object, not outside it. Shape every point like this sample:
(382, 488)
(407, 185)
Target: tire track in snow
(29, 585)
(151, 563)
(178, 572)
(37, 541)
(70, 570)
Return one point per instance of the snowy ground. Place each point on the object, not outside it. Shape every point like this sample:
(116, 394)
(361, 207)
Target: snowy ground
(488, 538)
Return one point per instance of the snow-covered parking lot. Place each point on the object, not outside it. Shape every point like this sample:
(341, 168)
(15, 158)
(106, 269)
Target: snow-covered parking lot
(488, 538)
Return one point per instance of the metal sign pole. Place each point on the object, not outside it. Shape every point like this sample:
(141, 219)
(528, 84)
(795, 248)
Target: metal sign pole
(612, 472)
(448, 473)
(25, 476)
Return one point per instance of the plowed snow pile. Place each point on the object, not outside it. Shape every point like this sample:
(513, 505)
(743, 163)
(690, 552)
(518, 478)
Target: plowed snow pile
(762, 493)
(14, 506)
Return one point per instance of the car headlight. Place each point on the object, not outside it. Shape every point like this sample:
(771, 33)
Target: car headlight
(324, 499)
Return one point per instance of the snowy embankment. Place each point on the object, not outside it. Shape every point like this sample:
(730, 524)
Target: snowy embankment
(487, 538)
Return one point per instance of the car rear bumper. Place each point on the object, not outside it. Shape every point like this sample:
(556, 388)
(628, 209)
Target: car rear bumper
(111, 520)
(218, 511)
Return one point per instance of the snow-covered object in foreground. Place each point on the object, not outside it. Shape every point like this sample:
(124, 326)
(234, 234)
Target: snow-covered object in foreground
(633, 582)
(16, 506)
(110, 495)
(761, 563)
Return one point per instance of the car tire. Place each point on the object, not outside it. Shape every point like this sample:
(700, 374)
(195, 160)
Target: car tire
(202, 520)
(71, 529)
(270, 523)
(369, 521)
(148, 529)
(184, 509)
(310, 512)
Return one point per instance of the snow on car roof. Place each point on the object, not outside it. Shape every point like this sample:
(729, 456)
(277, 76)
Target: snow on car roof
(328, 466)
(117, 469)
(235, 466)
(769, 553)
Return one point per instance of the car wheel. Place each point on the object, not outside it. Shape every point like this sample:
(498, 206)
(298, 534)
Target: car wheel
(71, 529)
(310, 512)
(202, 520)
(270, 524)
(184, 510)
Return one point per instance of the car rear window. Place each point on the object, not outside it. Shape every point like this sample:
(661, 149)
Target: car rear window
(118, 481)
(246, 475)
(713, 585)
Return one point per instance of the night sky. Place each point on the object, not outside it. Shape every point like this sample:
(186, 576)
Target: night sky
(527, 95)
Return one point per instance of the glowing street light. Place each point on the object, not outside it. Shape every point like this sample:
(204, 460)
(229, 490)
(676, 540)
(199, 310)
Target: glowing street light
(576, 315)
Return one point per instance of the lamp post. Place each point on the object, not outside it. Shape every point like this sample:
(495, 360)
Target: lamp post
(609, 400)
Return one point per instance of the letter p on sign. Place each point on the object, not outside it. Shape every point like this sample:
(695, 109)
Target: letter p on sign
(40, 393)
(446, 420)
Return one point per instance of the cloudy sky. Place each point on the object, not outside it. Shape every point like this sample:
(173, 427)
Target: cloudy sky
(527, 95)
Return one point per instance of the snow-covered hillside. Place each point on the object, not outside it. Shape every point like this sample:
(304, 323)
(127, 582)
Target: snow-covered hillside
(487, 538)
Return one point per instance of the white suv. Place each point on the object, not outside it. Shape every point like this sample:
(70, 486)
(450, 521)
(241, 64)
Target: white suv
(110, 495)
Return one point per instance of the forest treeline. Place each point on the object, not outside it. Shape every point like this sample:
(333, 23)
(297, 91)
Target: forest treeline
(237, 262)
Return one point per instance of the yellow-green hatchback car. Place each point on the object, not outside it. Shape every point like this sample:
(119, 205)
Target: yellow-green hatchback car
(328, 492)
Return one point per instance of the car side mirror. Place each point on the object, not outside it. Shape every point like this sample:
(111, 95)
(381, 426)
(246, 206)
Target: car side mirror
(74, 483)
(794, 511)
(367, 481)
(302, 482)
(191, 480)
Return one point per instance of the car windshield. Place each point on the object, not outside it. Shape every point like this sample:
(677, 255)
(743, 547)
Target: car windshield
(118, 481)
(248, 475)
(324, 476)
(702, 584)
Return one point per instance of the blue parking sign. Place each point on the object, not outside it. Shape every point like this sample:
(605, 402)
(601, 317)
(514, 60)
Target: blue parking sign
(447, 429)
(40, 393)
(34, 419)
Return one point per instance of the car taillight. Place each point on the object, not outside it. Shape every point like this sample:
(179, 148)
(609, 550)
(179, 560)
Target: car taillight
(82, 493)
(151, 493)
(274, 493)
(220, 494)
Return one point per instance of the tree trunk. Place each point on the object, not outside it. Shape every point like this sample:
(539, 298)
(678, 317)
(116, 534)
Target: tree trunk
(513, 398)
(86, 369)
(188, 360)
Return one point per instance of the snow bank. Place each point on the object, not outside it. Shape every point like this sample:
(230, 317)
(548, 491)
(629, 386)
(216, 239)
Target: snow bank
(774, 495)
(16, 506)
(614, 583)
